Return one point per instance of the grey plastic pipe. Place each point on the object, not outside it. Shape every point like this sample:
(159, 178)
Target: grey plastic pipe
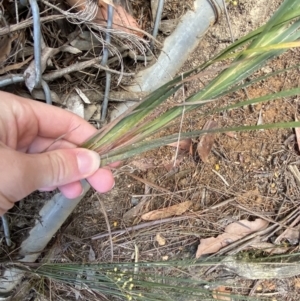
(177, 47)
(51, 217)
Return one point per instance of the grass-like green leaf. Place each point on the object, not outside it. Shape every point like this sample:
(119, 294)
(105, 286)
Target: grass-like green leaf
(123, 138)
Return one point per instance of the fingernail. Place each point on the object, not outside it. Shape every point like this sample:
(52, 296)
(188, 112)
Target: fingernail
(82, 192)
(88, 162)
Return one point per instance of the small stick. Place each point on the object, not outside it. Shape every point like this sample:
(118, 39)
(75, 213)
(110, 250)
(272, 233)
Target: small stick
(180, 126)
(221, 177)
(228, 21)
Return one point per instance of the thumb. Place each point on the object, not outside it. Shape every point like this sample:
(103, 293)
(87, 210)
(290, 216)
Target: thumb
(22, 173)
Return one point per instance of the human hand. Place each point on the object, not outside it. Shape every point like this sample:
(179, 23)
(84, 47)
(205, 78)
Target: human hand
(27, 128)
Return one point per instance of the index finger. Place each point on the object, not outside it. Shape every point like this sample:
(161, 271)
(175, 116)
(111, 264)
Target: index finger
(54, 122)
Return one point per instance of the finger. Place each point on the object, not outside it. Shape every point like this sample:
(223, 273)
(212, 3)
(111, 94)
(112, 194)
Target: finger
(41, 144)
(72, 190)
(28, 173)
(76, 128)
(102, 180)
(46, 189)
(5, 203)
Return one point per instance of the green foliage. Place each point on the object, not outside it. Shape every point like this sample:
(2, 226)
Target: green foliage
(135, 281)
(129, 135)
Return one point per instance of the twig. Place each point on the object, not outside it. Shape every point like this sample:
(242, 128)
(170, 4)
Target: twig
(78, 67)
(295, 171)
(108, 226)
(26, 23)
(254, 287)
(180, 126)
(221, 177)
(16, 66)
(259, 215)
(228, 21)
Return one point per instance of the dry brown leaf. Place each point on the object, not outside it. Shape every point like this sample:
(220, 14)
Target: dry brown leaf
(231, 134)
(184, 144)
(206, 141)
(232, 233)
(167, 212)
(121, 18)
(221, 293)
(15, 66)
(269, 285)
(160, 239)
(5, 46)
(290, 234)
(297, 283)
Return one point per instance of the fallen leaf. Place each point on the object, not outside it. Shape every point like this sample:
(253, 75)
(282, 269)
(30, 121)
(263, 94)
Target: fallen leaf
(75, 105)
(183, 144)
(232, 233)
(269, 285)
(133, 212)
(231, 134)
(160, 239)
(167, 212)
(297, 283)
(89, 111)
(5, 46)
(82, 96)
(121, 18)
(16, 66)
(206, 141)
(291, 235)
(221, 293)
(92, 255)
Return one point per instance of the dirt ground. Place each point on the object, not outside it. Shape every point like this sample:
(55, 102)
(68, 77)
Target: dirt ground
(252, 168)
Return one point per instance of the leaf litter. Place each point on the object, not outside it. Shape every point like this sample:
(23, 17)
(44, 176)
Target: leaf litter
(232, 233)
(168, 211)
(206, 141)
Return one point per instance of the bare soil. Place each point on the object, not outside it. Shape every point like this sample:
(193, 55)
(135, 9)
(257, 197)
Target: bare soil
(251, 167)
